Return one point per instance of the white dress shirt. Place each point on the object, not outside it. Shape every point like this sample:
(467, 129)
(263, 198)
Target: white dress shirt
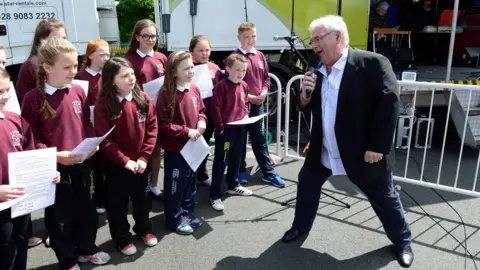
(330, 87)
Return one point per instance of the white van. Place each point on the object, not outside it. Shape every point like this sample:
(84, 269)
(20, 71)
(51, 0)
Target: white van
(19, 18)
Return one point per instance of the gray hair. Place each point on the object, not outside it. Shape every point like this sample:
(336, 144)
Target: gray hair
(331, 23)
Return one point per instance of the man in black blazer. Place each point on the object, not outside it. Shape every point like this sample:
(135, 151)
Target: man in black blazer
(353, 97)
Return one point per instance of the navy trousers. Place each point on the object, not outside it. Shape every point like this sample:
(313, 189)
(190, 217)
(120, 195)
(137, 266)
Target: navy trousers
(228, 147)
(258, 141)
(380, 192)
(179, 189)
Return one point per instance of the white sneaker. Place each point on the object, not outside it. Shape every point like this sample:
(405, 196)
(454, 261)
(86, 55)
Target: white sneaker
(217, 204)
(241, 191)
(98, 258)
(129, 250)
(100, 210)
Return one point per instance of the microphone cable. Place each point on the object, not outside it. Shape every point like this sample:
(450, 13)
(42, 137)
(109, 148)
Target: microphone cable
(467, 251)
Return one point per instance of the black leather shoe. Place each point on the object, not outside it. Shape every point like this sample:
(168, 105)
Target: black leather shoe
(405, 256)
(291, 235)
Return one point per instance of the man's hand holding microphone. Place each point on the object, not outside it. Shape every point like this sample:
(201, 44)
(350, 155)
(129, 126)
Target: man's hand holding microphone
(308, 86)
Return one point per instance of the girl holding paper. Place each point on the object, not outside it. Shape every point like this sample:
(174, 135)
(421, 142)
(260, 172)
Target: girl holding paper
(181, 116)
(200, 50)
(149, 65)
(15, 135)
(123, 105)
(59, 116)
(98, 53)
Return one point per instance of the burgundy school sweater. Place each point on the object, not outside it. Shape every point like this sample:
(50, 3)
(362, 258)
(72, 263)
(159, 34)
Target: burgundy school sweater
(94, 85)
(189, 110)
(134, 135)
(147, 68)
(229, 103)
(27, 78)
(257, 76)
(214, 70)
(71, 124)
(15, 136)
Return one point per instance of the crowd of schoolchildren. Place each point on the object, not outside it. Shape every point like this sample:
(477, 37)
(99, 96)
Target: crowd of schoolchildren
(57, 113)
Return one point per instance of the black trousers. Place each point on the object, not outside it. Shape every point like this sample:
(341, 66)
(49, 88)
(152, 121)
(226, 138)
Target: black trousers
(72, 221)
(13, 241)
(98, 176)
(380, 192)
(202, 172)
(123, 185)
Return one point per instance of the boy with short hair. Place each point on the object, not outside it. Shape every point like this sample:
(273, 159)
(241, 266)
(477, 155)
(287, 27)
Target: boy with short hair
(229, 103)
(258, 81)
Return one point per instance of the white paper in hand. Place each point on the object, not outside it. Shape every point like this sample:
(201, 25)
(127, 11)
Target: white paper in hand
(194, 152)
(203, 80)
(83, 84)
(8, 204)
(249, 120)
(152, 88)
(34, 170)
(89, 144)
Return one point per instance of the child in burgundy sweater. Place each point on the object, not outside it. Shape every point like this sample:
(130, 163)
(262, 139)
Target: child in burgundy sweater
(258, 80)
(98, 53)
(27, 76)
(122, 104)
(15, 135)
(148, 65)
(229, 103)
(200, 50)
(58, 113)
(181, 116)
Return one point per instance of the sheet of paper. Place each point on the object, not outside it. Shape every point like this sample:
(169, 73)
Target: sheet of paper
(203, 80)
(152, 88)
(12, 104)
(34, 170)
(89, 144)
(194, 152)
(8, 204)
(249, 120)
(92, 114)
(83, 84)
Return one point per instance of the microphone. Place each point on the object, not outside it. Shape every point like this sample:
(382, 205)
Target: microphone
(313, 65)
(286, 38)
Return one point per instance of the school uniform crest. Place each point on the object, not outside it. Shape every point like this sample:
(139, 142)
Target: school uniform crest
(77, 106)
(260, 64)
(141, 116)
(160, 68)
(195, 101)
(16, 137)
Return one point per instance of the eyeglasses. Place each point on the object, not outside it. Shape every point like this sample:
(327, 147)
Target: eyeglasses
(148, 37)
(319, 39)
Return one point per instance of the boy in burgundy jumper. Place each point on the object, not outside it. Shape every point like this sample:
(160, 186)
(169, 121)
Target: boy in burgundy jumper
(229, 103)
(181, 116)
(122, 104)
(258, 80)
(60, 117)
(15, 135)
(98, 53)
